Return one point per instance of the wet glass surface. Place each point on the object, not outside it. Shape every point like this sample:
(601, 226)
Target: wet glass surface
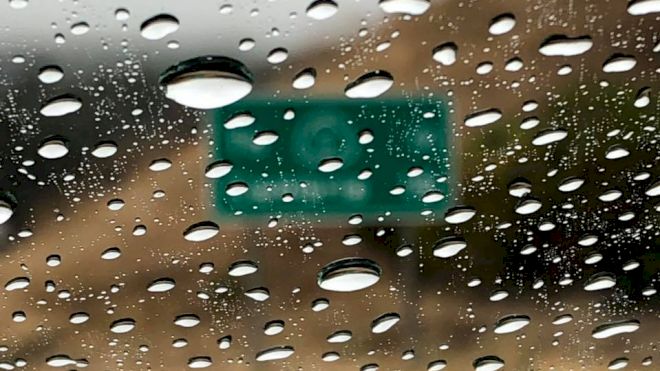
(329, 185)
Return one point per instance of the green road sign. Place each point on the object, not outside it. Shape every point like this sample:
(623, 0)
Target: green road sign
(402, 144)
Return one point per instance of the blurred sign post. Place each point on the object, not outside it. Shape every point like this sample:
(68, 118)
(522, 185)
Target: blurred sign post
(284, 178)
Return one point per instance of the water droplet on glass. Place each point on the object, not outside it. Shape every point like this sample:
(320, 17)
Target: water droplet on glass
(384, 322)
(207, 82)
(201, 231)
(412, 7)
(349, 274)
(322, 9)
(502, 24)
(565, 46)
(275, 353)
(159, 26)
(61, 105)
(369, 85)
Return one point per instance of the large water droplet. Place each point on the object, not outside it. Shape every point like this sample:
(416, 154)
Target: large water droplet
(445, 54)
(610, 329)
(502, 24)
(643, 7)
(18, 283)
(412, 7)
(201, 231)
(488, 363)
(384, 322)
(187, 320)
(50, 74)
(207, 82)
(511, 323)
(448, 247)
(369, 85)
(322, 9)
(161, 285)
(200, 362)
(565, 46)
(122, 326)
(159, 26)
(61, 105)
(349, 274)
(53, 148)
(483, 118)
(600, 281)
(275, 353)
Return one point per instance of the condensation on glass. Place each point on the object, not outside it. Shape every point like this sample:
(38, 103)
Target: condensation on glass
(329, 185)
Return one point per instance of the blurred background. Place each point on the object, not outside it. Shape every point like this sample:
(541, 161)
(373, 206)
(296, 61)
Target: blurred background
(294, 219)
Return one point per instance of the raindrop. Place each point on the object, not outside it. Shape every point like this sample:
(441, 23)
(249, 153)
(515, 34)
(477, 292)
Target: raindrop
(616, 152)
(459, 214)
(330, 165)
(643, 98)
(224, 342)
(61, 105)
(340, 336)
(511, 323)
(549, 136)
(600, 281)
(79, 318)
(6, 211)
(619, 63)
(502, 24)
(104, 149)
(111, 253)
(207, 82)
(161, 285)
(320, 304)
(349, 274)
(482, 118)
(239, 120)
(159, 26)
(200, 362)
(565, 46)
(488, 363)
(370, 85)
(277, 56)
(18, 283)
(265, 138)
(610, 329)
(436, 365)
(445, 54)
(618, 364)
(122, 326)
(412, 7)
(571, 184)
(160, 164)
(201, 231)
(50, 74)
(60, 360)
(528, 206)
(242, 268)
(448, 247)
(384, 322)
(274, 327)
(187, 320)
(643, 7)
(53, 148)
(258, 294)
(236, 189)
(322, 9)
(275, 353)
(498, 295)
(218, 169)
